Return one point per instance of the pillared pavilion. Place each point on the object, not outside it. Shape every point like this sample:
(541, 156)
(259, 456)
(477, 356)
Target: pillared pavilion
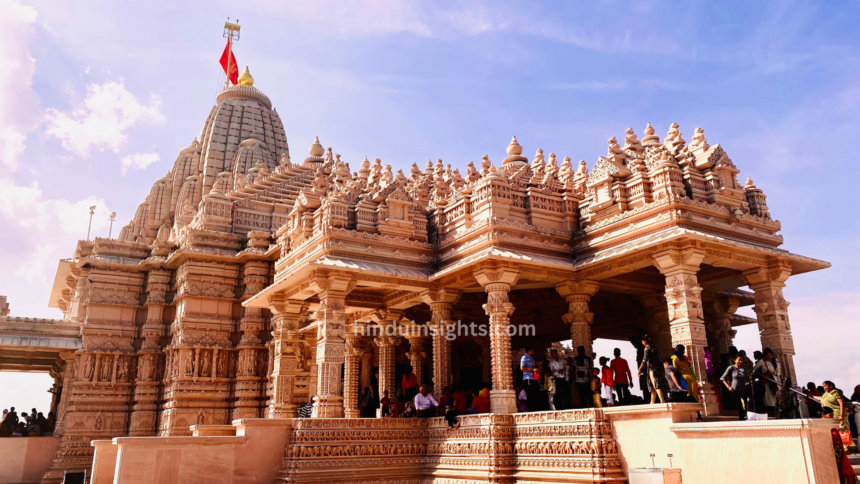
(250, 281)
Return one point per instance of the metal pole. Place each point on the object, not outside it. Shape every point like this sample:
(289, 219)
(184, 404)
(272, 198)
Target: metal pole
(110, 230)
(229, 56)
(92, 211)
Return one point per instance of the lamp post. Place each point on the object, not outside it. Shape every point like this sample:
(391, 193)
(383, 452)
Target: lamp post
(92, 211)
(112, 217)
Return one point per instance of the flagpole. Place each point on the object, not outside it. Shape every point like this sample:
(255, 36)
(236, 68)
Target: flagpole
(230, 30)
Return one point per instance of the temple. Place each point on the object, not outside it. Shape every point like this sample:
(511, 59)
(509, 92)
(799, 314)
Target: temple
(250, 281)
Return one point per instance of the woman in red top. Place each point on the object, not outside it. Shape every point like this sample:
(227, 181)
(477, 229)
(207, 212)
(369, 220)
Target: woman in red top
(409, 384)
(459, 399)
(481, 403)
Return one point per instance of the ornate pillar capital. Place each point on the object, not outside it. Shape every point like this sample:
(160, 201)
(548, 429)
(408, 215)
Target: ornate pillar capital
(672, 261)
(490, 273)
(577, 288)
(578, 295)
(440, 296)
(776, 273)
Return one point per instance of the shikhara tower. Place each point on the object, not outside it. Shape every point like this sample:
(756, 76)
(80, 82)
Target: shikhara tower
(246, 280)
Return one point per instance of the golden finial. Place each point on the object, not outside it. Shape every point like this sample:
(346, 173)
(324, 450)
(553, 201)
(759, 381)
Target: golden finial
(245, 78)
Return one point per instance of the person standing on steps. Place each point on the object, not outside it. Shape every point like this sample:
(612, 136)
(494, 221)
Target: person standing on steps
(653, 369)
(736, 379)
(582, 366)
(622, 377)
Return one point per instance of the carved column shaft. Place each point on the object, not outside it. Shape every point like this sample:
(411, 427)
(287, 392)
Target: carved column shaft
(352, 360)
(771, 310)
(719, 328)
(686, 315)
(331, 320)
(497, 279)
(286, 320)
(387, 345)
(441, 314)
(417, 355)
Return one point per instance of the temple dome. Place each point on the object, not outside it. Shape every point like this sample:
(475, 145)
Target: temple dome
(242, 113)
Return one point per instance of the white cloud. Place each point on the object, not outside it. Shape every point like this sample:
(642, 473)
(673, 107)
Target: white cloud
(39, 265)
(26, 207)
(107, 112)
(11, 145)
(19, 105)
(138, 161)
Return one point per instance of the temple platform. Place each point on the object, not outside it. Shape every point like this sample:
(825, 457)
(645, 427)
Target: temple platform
(573, 446)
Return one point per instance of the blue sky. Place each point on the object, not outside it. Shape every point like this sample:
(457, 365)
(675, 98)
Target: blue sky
(99, 97)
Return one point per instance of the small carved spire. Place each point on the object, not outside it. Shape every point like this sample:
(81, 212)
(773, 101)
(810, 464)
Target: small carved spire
(699, 139)
(364, 172)
(471, 173)
(749, 184)
(514, 149)
(613, 150)
(316, 148)
(538, 160)
(650, 139)
(415, 174)
(401, 178)
(486, 164)
(581, 173)
(631, 141)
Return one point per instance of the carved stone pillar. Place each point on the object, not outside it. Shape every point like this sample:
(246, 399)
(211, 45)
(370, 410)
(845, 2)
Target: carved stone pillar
(252, 365)
(147, 385)
(287, 315)
(441, 301)
(352, 359)
(719, 327)
(366, 366)
(686, 315)
(578, 294)
(387, 346)
(497, 282)
(331, 320)
(417, 355)
(657, 323)
(771, 311)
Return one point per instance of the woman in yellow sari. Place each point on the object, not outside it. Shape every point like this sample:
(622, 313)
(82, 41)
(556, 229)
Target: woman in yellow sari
(681, 362)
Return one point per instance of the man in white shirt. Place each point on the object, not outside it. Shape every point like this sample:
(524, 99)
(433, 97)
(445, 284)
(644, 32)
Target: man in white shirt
(558, 367)
(425, 404)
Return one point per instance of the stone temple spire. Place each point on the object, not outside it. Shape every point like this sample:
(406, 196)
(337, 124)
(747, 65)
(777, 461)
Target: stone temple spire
(316, 150)
(515, 152)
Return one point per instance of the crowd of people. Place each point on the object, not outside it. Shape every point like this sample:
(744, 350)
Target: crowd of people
(33, 424)
(756, 389)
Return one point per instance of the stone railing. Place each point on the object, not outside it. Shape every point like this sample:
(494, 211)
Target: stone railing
(573, 446)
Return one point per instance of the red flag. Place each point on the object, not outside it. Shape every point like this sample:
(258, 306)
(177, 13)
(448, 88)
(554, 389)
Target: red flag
(233, 73)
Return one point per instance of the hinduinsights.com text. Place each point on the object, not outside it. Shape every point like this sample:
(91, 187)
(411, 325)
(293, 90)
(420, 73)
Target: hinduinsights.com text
(452, 330)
